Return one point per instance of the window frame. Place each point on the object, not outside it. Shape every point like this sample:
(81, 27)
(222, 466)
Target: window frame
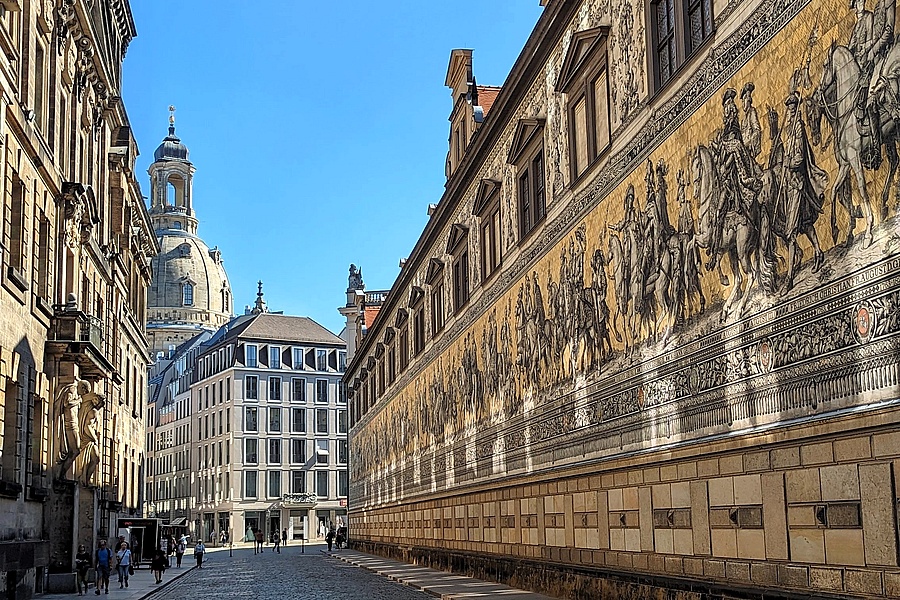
(274, 357)
(274, 446)
(248, 461)
(273, 476)
(319, 413)
(254, 362)
(527, 148)
(680, 38)
(247, 474)
(272, 411)
(255, 387)
(275, 382)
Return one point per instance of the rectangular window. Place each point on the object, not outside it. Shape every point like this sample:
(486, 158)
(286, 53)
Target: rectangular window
(252, 359)
(40, 69)
(251, 451)
(342, 393)
(403, 347)
(322, 420)
(532, 200)
(16, 229)
(322, 484)
(250, 484)
(342, 452)
(251, 422)
(297, 362)
(392, 369)
(699, 22)
(322, 391)
(274, 357)
(298, 451)
(437, 310)
(322, 452)
(342, 421)
(580, 135)
(490, 240)
(342, 361)
(227, 420)
(251, 387)
(274, 452)
(321, 360)
(298, 482)
(275, 389)
(298, 387)
(418, 330)
(343, 484)
(274, 420)
(460, 279)
(228, 389)
(274, 484)
(601, 111)
(298, 420)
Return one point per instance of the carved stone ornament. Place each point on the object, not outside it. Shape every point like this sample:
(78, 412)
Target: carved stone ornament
(77, 409)
(77, 224)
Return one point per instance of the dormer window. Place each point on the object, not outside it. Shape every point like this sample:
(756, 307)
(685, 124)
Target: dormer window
(527, 154)
(584, 78)
(187, 294)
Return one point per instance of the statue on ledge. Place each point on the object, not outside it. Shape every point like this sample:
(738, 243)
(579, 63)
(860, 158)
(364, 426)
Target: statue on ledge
(77, 408)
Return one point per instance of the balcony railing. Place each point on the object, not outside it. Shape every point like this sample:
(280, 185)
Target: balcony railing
(78, 337)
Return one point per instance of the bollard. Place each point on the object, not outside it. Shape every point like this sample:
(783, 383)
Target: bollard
(230, 549)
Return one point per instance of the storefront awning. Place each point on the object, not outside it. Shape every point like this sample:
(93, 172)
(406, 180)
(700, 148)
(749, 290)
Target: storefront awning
(179, 522)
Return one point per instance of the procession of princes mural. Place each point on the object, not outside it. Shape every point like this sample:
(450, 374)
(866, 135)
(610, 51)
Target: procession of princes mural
(741, 222)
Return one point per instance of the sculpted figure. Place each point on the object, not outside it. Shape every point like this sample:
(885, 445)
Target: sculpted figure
(89, 416)
(67, 406)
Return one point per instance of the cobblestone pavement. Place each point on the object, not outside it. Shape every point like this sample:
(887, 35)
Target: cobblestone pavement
(271, 576)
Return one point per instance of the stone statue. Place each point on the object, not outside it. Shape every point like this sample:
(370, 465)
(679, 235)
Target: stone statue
(78, 407)
(89, 459)
(354, 281)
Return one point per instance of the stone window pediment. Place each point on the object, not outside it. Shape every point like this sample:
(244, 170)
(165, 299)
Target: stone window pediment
(527, 131)
(581, 54)
(488, 191)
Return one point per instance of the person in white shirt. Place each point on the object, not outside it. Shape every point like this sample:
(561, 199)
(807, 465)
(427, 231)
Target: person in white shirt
(123, 564)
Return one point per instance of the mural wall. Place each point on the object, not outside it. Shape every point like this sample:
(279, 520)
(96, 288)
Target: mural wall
(734, 264)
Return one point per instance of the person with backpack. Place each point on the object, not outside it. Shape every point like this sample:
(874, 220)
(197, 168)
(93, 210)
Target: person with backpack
(180, 548)
(199, 551)
(104, 561)
(82, 564)
(329, 538)
(276, 540)
(123, 564)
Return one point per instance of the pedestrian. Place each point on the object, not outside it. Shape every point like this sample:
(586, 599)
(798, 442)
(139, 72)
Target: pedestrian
(199, 551)
(123, 564)
(179, 550)
(276, 540)
(224, 537)
(158, 565)
(329, 538)
(103, 562)
(119, 543)
(284, 537)
(82, 564)
(341, 537)
(259, 541)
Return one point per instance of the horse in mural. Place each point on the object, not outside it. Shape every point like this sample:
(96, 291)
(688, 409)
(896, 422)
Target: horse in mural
(835, 100)
(740, 237)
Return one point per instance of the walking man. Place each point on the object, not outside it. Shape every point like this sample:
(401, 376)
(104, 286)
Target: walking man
(104, 560)
(276, 540)
(179, 550)
(199, 551)
(284, 537)
(259, 541)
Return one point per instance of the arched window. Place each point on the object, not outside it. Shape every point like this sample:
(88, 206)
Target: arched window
(187, 293)
(170, 194)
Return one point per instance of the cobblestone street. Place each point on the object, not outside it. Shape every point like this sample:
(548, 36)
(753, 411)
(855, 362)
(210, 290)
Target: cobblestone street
(272, 576)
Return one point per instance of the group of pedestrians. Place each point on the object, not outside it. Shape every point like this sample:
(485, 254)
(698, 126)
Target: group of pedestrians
(121, 558)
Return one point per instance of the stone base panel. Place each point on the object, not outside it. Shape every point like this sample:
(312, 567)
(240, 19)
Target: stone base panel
(810, 508)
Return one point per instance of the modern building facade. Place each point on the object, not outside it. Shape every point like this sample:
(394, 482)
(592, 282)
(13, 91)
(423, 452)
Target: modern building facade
(76, 249)
(190, 292)
(646, 343)
(259, 441)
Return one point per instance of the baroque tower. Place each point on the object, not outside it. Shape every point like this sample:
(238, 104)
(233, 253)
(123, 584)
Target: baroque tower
(190, 290)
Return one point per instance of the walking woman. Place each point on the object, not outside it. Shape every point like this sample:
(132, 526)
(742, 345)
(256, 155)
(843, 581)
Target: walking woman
(158, 565)
(124, 564)
(82, 566)
(199, 551)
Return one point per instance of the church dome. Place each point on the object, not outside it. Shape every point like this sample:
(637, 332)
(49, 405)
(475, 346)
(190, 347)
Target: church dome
(171, 148)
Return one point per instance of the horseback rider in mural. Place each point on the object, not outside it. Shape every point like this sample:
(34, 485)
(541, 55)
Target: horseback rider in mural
(751, 130)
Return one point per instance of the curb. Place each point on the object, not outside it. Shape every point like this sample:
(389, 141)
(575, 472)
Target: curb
(167, 583)
(393, 578)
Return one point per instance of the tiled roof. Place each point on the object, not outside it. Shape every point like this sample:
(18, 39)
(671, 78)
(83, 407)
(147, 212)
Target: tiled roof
(284, 328)
(371, 313)
(486, 96)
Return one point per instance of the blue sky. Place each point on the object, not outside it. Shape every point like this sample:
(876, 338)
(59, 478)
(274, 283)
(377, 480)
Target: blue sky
(318, 129)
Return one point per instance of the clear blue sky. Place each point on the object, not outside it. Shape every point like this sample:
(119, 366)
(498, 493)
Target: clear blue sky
(318, 129)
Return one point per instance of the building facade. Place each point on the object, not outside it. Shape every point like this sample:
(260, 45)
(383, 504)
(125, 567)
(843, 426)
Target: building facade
(76, 250)
(259, 440)
(190, 292)
(647, 341)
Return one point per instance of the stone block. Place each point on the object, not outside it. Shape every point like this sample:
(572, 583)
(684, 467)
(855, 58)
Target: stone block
(635, 477)
(708, 467)
(681, 494)
(687, 470)
(886, 444)
(684, 541)
(700, 517)
(665, 541)
(721, 491)
(773, 515)
(878, 514)
(724, 543)
(621, 478)
(789, 576)
(603, 519)
(892, 585)
(668, 473)
(714, 568)
(756, 461)
(844, 547)
(731, 464)
(738, 571)
(783, 458)
(751, 543)
(807, 545)
(764, 573)
(840, 482)
(616, 499)
(608, 480)
(674, 565)
(641, 561)
(693, 566)
(646, 512)
(747, 490)
(853, 449)
(630, 498)
(617, 539)
(657, 563)
(802, 485)
(816, 454)
(662, 495)
(864, 582)
(651, 475)
(633, 540)
(826, 579)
